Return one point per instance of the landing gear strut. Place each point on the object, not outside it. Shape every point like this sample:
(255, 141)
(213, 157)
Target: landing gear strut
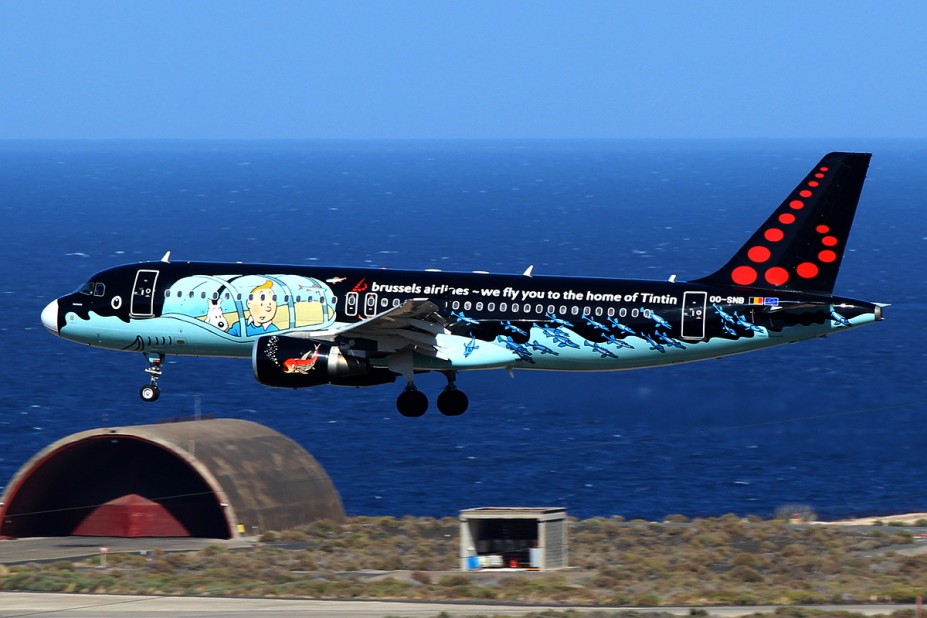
(413, 402)
(151, 392)
(452, 401)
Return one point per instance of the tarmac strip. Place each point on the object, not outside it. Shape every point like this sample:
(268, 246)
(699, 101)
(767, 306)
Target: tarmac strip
(21, 604)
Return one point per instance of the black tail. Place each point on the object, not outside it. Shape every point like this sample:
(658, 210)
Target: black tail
(801, 245)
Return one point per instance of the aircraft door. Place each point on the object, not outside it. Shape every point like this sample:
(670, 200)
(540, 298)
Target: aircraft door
(143, 294)
(693, 315)
(350, 304)
(370, 303)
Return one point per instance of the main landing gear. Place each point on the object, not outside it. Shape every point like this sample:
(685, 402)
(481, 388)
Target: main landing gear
(451, 402)
(151, 392)
(411, 401)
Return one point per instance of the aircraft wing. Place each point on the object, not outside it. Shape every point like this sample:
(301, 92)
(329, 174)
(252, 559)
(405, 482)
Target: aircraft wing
(413, 325)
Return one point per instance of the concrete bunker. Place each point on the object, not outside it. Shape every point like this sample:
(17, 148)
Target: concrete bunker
(513, 537)
(218, 478)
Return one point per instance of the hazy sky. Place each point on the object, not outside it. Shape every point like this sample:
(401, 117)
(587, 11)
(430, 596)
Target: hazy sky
(473, 69)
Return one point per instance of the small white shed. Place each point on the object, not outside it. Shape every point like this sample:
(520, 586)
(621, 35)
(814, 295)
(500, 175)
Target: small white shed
(513, 537)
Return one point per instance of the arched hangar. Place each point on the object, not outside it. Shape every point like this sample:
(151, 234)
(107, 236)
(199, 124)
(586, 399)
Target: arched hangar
(219, 478)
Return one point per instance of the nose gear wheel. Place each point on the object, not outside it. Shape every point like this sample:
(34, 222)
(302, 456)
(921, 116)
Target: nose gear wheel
(151, 392)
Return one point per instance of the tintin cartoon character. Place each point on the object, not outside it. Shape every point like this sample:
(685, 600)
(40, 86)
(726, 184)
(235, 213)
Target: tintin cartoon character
(262, 303)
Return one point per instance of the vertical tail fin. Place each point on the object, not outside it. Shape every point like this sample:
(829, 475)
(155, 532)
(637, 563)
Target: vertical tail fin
(801, 245)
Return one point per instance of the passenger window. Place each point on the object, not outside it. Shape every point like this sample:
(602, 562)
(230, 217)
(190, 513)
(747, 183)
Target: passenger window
(574, 310)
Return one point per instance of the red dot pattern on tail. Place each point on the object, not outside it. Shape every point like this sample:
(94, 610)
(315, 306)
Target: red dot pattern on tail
(778, 275)
(758, 254)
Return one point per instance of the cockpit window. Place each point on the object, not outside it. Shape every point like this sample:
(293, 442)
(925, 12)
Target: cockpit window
(92, 289)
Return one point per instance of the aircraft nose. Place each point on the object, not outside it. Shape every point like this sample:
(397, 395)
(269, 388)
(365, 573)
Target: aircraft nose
(50, 317)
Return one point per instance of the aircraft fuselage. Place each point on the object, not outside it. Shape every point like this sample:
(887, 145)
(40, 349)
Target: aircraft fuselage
(536, 322)
(307, 326)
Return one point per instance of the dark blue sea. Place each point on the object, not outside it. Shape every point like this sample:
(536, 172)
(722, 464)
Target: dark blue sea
(837, 424)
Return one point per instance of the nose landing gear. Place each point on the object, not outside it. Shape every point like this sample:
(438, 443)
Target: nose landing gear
(151, 392)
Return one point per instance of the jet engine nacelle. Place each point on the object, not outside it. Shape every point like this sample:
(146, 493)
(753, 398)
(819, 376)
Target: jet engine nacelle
(293, 362)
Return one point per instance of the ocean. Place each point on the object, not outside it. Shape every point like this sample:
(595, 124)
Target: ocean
(834, 424)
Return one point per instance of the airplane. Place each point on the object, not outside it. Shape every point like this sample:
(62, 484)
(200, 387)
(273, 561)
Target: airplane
(305, 326)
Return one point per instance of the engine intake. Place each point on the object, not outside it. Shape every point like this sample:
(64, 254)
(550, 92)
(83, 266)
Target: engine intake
(292, 362)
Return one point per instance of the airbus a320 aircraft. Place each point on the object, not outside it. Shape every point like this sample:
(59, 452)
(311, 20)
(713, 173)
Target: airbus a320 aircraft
(307, 326)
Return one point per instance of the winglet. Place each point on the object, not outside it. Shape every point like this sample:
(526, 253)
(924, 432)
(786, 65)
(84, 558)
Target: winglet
(528, 271)
(167, 258)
